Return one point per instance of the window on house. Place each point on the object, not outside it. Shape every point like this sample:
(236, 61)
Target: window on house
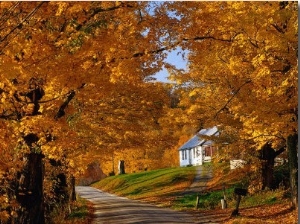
(184, 154)
(197, 152)
(209, 150)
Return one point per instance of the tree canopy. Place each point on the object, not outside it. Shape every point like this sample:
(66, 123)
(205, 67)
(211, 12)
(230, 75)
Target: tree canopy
(242, 67)
(76, 80)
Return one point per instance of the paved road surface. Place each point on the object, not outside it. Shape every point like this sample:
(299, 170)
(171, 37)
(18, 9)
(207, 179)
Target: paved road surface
(119, 210)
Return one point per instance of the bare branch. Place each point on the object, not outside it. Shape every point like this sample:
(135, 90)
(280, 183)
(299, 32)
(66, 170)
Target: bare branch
(3, 17)
(22, 22)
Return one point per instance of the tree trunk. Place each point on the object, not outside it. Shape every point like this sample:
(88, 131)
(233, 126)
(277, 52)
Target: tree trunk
(267, 157)
(30, 191)
(73, 192)
(292, 141)
(121, 167)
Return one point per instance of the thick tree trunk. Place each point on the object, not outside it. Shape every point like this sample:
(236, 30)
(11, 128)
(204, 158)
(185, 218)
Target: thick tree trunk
(267, 174)
(30, 191)
(267, 157)
(292, 142)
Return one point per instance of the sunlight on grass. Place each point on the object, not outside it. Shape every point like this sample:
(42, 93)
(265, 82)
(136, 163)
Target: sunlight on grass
(81, 212)
(165, 187)
(80, 209)
(156, 183)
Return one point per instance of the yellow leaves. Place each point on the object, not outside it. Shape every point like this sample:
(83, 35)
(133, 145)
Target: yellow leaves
(61, 8)
(4, 216)
(104, 123)
(258, 52)
(129, 135)
(194, 92)
(258, 60)
(194, 109)
(87, 64)
(286, 83)
(238, 6)
(235, 64)
(76, 9)
(53, 152)
(3, 98)
(263, 74)
(72, 163)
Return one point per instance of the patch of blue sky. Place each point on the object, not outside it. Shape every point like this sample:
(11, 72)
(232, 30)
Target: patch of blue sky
(177, 57)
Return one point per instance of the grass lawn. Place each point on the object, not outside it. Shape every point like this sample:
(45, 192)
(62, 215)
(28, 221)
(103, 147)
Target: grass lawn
(159, 186)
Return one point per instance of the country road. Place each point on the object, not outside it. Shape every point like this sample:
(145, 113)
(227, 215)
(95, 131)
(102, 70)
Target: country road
(119, 210)
(113, 209)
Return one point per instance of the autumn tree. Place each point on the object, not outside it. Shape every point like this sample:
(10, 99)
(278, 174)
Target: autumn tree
(73, 83)
(75, 86)
(242, 70)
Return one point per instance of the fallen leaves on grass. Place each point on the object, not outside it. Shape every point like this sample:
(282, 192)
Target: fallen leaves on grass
(277, 213)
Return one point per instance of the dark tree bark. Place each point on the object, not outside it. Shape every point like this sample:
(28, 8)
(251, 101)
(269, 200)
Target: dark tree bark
(73, 193)
(30, 191)
(292, 142)
(61, 189)
(61, 111)
(268, 154)
(121, 167)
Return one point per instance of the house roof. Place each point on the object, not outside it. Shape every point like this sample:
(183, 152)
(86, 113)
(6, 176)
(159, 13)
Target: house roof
(196, 140)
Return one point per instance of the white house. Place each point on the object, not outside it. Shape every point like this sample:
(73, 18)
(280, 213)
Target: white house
(198, 150)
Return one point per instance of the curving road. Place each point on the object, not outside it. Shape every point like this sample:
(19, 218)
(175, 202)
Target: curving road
(110, 208)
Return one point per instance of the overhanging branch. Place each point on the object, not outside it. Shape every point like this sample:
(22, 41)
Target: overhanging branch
(22, 22)
(19, 25)
(61, 111)
(232, 97)
(197, 38)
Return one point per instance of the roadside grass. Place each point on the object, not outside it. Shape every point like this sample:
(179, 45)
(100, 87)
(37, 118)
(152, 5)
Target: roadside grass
(207, 200)
(160, 186)
(212, 200)
(82, 212)
(79, 209)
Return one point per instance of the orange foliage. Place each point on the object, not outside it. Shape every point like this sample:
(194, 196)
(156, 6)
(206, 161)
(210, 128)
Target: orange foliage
(243, 70)
(74, 84)
(74, 79)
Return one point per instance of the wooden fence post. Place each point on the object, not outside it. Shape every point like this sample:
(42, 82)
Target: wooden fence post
(224, 202)
(197, 201)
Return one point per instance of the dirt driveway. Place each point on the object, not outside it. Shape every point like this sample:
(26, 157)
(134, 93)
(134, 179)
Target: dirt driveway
(119, 210)
(203, 175)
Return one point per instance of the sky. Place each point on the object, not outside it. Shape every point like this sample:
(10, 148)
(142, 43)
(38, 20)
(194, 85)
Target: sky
(175, 59)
